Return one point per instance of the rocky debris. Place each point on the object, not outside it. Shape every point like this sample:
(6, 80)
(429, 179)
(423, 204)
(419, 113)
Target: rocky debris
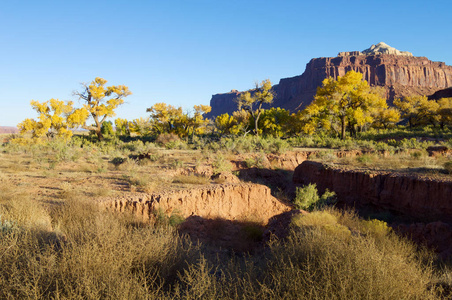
(240, 201)
(436, 235)
(423, 198)
(398, 72)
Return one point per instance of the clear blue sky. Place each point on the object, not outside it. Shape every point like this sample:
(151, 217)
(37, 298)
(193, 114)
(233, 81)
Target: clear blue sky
(182, 52)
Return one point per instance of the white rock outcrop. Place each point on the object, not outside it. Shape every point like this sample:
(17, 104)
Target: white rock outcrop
(382, 48)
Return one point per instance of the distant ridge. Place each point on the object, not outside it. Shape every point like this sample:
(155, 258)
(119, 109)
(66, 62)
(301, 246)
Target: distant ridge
(8, 129)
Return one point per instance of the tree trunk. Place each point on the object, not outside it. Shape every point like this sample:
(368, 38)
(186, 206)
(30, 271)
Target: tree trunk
(99, 134)
(256, 129)
(342, 127)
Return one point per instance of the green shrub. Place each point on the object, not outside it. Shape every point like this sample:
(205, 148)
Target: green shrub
(365, 158)
(307, 198)
(117, 161)
(107, 129)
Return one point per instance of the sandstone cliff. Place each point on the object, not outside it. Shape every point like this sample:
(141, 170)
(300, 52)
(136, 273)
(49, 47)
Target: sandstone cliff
(400, 73)
(409, 195)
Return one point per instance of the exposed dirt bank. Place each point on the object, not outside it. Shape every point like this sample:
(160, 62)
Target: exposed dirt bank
(240, 201)
(427, 200)
(410, 195)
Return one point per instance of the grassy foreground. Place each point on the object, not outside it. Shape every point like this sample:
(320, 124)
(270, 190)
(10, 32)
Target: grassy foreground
(60, 245)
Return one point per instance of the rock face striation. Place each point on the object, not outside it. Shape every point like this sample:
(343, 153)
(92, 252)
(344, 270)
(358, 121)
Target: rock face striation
(399, 72)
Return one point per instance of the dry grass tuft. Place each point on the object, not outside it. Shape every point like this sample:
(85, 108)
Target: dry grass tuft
(191, 179)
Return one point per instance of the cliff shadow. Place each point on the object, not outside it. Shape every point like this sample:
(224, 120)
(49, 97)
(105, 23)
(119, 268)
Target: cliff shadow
(237, 236)
(220, 234)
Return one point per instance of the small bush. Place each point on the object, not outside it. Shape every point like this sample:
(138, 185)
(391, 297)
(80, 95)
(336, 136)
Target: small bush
(376, 227)
(416, 155)
(307, 198)
(117, 161)
(365, 159)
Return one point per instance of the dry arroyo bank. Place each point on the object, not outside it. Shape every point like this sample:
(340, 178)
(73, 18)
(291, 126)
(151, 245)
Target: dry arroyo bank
(235, 201)
(425, 199)
(411, 195)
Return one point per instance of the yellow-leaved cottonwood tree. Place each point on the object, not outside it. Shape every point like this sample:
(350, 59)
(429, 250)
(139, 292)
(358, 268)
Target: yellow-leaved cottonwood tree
(56, 118)
(252, 101)
(445, 112)
(101, 101)
(348, 101)
(166, 118)
(418, 110)
(386, 117)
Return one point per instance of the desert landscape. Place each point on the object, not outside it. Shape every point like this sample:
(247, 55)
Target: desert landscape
(225, 150)
(348, 197)
(145, 219)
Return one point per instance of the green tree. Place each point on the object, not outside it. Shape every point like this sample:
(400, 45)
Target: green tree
(101, 101)
(252, 101)
(347, 102)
